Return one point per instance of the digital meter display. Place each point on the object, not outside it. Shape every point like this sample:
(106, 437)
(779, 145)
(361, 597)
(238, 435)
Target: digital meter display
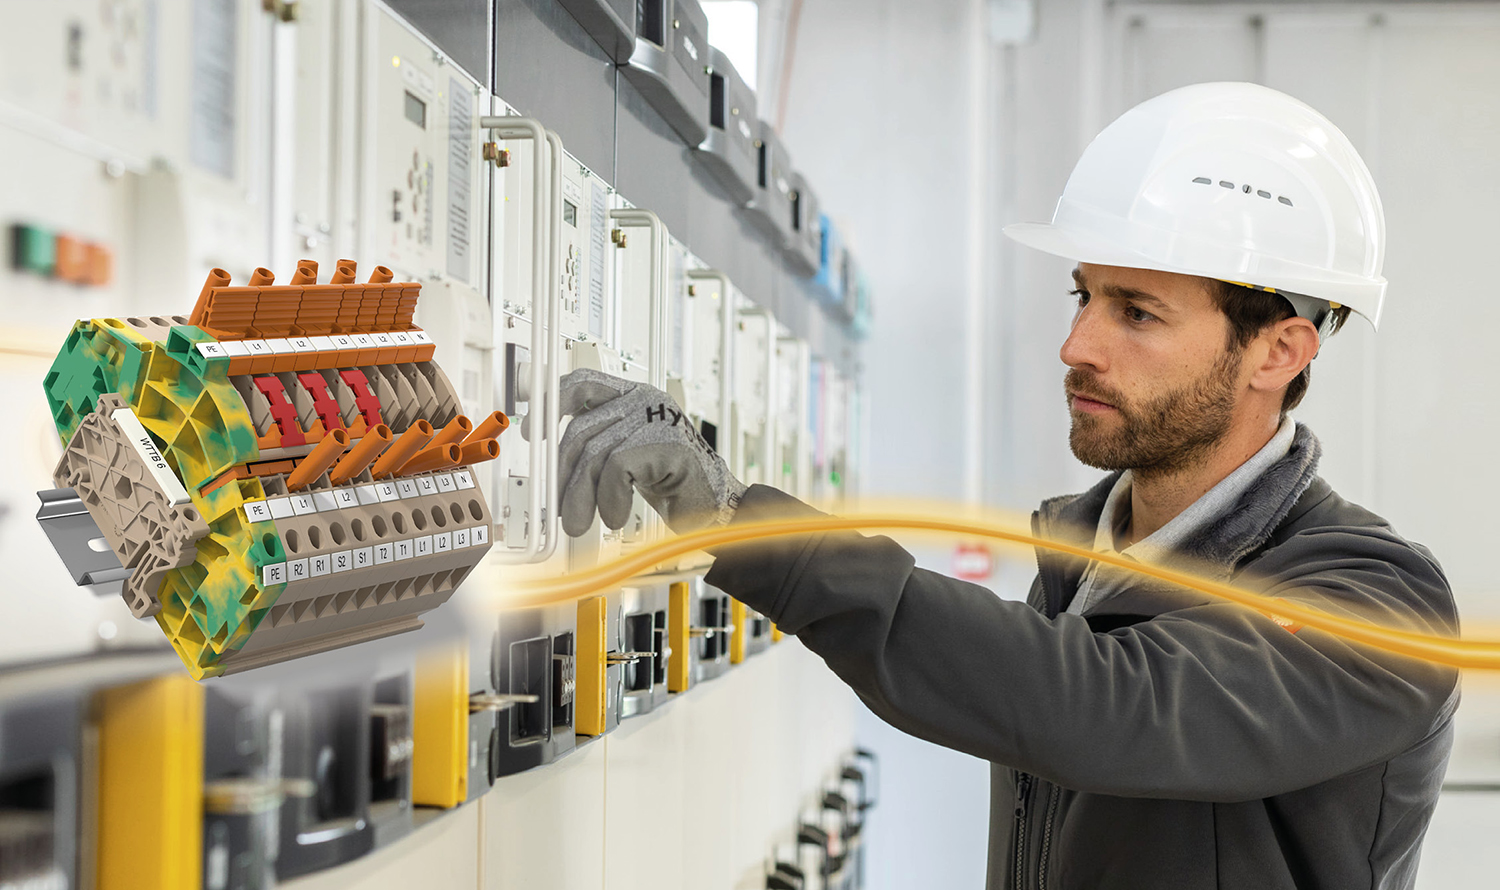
(416, 111)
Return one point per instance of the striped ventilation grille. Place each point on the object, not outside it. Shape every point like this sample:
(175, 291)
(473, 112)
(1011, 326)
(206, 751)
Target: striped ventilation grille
(460, 131)
(1224, 183)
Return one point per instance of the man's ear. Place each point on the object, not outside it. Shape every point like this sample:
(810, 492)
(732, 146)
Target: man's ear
(1288, 346)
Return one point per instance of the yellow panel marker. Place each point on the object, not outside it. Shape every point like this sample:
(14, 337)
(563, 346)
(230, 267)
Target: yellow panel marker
(678, 637)
(151, 786)
(588, 693)
(440, 728)
(738, 616)
(776, 634)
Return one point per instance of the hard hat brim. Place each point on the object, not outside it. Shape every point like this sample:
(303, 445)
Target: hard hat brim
(1072, 246)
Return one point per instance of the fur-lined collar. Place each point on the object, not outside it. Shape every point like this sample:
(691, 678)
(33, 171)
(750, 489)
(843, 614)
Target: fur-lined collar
(1217, 548)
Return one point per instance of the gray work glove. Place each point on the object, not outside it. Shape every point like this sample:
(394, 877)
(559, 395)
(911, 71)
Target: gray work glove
(626, 433)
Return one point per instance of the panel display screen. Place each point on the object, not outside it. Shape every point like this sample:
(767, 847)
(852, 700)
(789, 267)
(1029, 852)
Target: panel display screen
(416, 110)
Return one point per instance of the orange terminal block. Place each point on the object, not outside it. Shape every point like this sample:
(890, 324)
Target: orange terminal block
(216, 278)
(478, 452)
(411, 441)
(456, 431)
(489, 428)
(364, 453)
(318, 460)
(307, 272)
(433, 457)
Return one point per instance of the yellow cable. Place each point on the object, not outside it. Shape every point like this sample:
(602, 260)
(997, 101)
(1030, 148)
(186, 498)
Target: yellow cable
(1481, 654)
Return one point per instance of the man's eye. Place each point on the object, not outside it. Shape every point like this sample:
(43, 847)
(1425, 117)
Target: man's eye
(1081, 295)
(1135, 313)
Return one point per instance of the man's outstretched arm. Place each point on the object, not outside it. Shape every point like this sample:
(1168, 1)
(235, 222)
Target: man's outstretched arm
(1212, 702)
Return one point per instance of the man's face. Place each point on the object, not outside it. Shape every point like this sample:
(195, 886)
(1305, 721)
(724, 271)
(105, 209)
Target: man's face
(1152, 385)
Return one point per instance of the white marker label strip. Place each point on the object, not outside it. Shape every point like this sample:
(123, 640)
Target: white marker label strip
(145, 447)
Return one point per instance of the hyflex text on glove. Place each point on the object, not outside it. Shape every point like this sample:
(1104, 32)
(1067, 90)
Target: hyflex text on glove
(625, 434)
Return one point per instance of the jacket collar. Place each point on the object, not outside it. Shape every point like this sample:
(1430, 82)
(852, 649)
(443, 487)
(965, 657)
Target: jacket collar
(1215, 551)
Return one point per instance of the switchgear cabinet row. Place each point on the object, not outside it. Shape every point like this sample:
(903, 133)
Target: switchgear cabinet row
(280, 276)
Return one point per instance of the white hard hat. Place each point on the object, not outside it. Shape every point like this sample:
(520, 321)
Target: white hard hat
(1232, 181)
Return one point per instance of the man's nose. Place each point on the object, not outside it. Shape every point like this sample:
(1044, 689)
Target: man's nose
(1085, 346)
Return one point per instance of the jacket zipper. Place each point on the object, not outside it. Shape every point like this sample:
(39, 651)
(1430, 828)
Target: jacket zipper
(1023, 798)
(1041, 869)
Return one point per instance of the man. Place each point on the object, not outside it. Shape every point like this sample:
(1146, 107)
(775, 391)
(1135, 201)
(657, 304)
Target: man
(1141, 736)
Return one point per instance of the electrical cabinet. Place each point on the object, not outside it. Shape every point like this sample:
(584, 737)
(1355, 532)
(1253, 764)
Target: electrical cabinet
(42, 765)
(670, 64)
(242, 736)
(552, 255)
(794, 410)
(855, 305)
(698, 633)
(426, 188)
(422, 183)
(350, 745)
(729, 152)
(535, 664)
(318, 88)
(700, 377)
(611, 23)
(527, 265)
(753, 420)
(833, 260)
(825, 413)
(590, 314)
(643, 629)
(180, 131)
(170, 146)
(804, 248)
(832, 420)
(644, 279)
(770, 208)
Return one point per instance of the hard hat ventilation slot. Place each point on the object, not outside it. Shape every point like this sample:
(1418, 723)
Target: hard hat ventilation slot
(1224, 183)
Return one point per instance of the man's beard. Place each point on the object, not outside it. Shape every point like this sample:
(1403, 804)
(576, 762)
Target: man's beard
(1171, 432)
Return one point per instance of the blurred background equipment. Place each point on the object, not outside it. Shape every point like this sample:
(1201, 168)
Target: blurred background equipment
(290, 472)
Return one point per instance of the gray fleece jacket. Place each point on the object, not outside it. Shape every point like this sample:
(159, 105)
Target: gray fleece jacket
(1167, 739)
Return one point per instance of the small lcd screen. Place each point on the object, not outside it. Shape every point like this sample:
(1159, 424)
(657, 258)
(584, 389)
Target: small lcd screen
(570, 214)
(416, 111)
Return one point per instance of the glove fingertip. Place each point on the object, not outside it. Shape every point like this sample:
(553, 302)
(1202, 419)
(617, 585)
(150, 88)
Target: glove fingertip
(613, 516)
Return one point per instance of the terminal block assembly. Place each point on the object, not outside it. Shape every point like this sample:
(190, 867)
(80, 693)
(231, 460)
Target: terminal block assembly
(281, 472)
